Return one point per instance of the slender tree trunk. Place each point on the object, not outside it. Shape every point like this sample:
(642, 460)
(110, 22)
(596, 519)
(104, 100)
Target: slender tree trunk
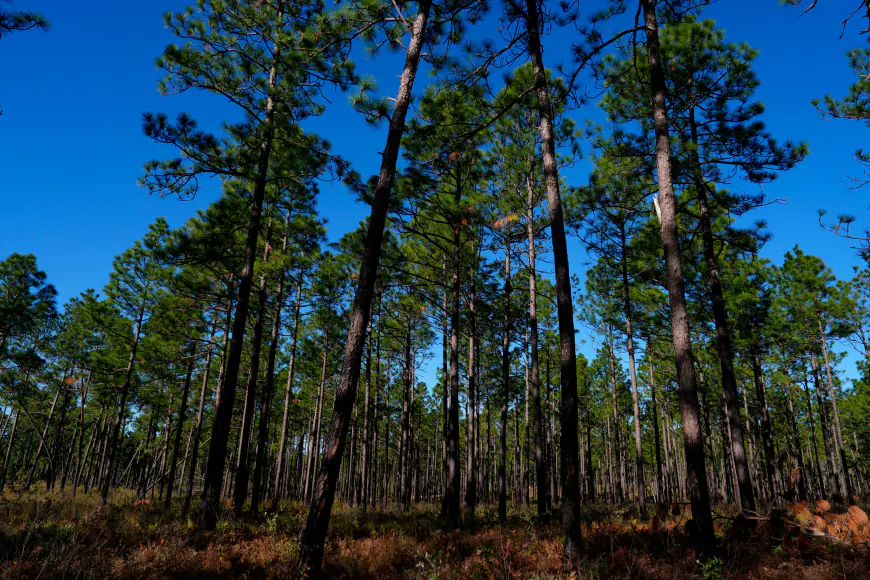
(766, 434)
(632, 367)
(122, 407)
(616, 456)
(405, 442)
(8, 451)
(723, 334)
(266, 397)
(185, 507)
(223, 414)
(452, 493)
(506, 376)
(42, 444)
(655, 411)
(93, 444)
(518, 465)
(80, 458)
(796, 441)
(376, 410)
(753, 463)
(845, 482)
(182, 411)
(815, 444)
(830, 447)
(314, 535)
(288, 394)
(243, 467)
(471, 432)
(564, 305)
(314, 443)
(702, 516)
(366, 449)
(534, 374)
(164, 455)
(57, 445)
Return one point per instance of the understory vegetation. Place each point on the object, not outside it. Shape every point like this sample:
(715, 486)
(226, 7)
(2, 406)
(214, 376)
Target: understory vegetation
(51, 536)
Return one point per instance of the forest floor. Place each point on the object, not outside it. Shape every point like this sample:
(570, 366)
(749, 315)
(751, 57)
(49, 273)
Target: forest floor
(59, 536)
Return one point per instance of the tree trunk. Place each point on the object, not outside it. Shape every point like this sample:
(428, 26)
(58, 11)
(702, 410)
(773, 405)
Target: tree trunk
(845, 482)
(689, 408)
(8, 452)
(376, 410)
(506, 376)
(830, 447)
(266, 396)
(723, 334)
(655, 411)
(800, 488)
(223, 413)
(185, 507)
(314, 439)
(57, 445)
(452, 493)
(820, 483)
(616, 455)
(243, 467)
(182, 411)
(565, 308)
(164, 456)
(122, 408)
(766, 435)
(405, 442)
(472, 427)
(42, 444)
(314, 534)
(632, 367)
(534, 371)
(80, 457)
(366, 448)
(288, 393)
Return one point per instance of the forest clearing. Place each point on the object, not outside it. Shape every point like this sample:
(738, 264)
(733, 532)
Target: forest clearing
(551, 334)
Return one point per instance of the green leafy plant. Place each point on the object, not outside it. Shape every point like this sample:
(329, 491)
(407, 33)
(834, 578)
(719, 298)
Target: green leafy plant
(712, 569)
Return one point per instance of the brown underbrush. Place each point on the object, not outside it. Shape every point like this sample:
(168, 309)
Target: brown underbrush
(52, 536)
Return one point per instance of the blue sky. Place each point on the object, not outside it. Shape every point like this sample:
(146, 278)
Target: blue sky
(71, 145)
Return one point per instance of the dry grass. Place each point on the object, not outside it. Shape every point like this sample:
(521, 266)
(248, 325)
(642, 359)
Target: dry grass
(62, 537)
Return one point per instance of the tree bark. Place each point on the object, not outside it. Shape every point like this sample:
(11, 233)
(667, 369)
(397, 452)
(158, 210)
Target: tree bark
(506, 376)
(42, 444)
(564, 305)
(243, 467)
(452, 493)
(266, 396)
(288, 393)
(182, 411)
(655, 411)
(405, 442)
(534, 371)
(766, 434)
(723, 334)
(689, 408)
(8, 452)
(632, 368)
(314, 534)
(616, 456)
(845, 482)
(472, 427)
(122, 408)
(223, 414)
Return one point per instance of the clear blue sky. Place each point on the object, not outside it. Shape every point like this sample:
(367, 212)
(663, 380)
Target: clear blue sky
(71, 145)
